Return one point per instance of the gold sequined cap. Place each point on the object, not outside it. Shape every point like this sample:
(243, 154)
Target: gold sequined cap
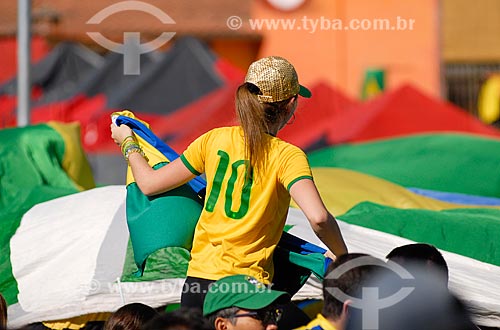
(276, 78)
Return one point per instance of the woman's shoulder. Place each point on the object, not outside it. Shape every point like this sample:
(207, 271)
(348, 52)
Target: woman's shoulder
(221, 135)
(224, 131)
(286, 146)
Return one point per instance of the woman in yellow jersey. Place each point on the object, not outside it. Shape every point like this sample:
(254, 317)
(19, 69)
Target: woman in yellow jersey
(251, 175)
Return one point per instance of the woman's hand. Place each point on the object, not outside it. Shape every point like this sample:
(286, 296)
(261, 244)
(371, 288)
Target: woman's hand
(119, 133)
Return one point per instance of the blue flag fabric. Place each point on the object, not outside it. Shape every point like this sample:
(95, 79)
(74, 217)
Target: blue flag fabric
(139, 128)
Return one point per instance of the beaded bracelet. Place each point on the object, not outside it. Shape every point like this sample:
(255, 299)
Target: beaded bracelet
(131, 148)
(127, 140)
(138, 150)
(128, 137)
(128, 144)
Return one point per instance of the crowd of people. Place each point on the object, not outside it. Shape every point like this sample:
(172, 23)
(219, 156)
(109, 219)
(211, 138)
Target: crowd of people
(241, 302)
(251, 178)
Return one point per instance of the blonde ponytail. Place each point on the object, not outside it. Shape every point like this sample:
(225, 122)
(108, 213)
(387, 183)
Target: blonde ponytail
(256, 118)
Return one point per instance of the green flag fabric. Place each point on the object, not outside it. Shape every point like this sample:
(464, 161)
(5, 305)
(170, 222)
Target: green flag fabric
(38, 163)
(445, 162)
(471, 232)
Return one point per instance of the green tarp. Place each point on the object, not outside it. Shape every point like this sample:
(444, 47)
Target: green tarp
(470, 232)
(31, 172)
(445, 162)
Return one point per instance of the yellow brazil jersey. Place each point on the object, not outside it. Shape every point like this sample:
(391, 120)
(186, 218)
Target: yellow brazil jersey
(242, 220)
(319, 323)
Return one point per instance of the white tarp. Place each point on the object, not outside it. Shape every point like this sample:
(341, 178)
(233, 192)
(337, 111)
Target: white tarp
(67, 255)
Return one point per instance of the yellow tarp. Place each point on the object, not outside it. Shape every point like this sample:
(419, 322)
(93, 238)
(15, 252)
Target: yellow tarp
(341, 189)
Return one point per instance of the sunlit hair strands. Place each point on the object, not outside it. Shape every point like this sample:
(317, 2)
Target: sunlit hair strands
(258, 120)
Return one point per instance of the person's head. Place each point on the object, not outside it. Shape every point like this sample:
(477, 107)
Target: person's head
(241, 302)
(130, 317)
(418, 301)
(3, 313)
(420, 254)
(179, 319)
(265, 103)
(346, 275)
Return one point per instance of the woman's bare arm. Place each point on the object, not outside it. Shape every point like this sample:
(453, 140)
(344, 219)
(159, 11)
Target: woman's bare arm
(150, 181)
(323, 223)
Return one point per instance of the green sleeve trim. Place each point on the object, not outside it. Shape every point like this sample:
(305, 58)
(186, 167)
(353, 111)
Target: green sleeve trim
(190, 168)
(297, 179)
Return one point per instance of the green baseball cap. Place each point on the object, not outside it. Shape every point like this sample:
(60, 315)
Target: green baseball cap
(241, 291)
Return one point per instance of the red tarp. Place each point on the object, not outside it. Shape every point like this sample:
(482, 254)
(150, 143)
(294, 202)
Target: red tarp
(188, 91)
(8, 55)
(315, 116)
(403, 111)
(217, 109)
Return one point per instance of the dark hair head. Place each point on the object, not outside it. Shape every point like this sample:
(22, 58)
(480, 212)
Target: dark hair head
(130, 317)
(420, 254)
(349, 282)
(179, 319)
(3, 313)
(419, 302)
